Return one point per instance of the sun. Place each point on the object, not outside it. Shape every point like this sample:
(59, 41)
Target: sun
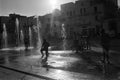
(53, 3)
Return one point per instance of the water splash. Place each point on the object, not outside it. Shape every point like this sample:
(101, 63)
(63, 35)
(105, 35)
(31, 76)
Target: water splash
(30, 36)
(63, 31)
(64, 37)
(38, 30)
(17, 31)
(21, 37)
(4, 35)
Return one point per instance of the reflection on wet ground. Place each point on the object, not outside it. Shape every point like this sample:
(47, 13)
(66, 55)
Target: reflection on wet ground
(64, 65)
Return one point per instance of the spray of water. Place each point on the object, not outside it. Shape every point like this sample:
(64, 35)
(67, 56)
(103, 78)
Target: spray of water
(30, 36)
(64, 37)
(4, 35)
(21, 38)
(17, 31)
(63, 31)
(38, 30)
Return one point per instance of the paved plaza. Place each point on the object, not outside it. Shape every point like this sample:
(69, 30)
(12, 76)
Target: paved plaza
(61, 65)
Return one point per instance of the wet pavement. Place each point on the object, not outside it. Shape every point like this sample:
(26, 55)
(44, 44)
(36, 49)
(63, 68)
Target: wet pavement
(61, 65)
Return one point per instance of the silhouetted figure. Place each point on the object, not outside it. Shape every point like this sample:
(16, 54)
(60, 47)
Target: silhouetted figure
(105, 42)
(88, 42)
(76, 46)
(44, 48)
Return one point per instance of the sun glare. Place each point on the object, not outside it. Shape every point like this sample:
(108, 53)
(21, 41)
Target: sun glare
(53, 3)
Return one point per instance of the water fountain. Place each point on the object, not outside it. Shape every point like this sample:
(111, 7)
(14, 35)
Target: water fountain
(4, 35)
(38, 32)
(30, 36)
(17, 31)
(64, 37)
(21, 38)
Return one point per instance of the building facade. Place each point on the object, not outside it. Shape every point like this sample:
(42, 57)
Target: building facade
(11, 22)
(87, 16)
(51, 24)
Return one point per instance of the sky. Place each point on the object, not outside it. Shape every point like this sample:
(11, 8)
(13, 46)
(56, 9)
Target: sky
(28, 7)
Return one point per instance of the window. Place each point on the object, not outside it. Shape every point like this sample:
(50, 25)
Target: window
(95, 9)
(70, 13)
(91, 2)
(73, 12)
(48, 19)
(82, 4)
(96, 18)
(55, 26)
(84, 10)
(81, 11)
(67, 13)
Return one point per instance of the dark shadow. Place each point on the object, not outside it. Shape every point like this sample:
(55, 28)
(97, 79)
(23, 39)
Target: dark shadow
(45, 63)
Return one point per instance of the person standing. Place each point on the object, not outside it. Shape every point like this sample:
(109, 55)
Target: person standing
(88, 42)
(105, 42)
(44, 48)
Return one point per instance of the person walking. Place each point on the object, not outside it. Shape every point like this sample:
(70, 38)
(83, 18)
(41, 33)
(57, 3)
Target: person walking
(44, 48)
(88, 42)
(105, 42)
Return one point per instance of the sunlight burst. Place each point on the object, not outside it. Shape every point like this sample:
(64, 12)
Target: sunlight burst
(53, 3)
